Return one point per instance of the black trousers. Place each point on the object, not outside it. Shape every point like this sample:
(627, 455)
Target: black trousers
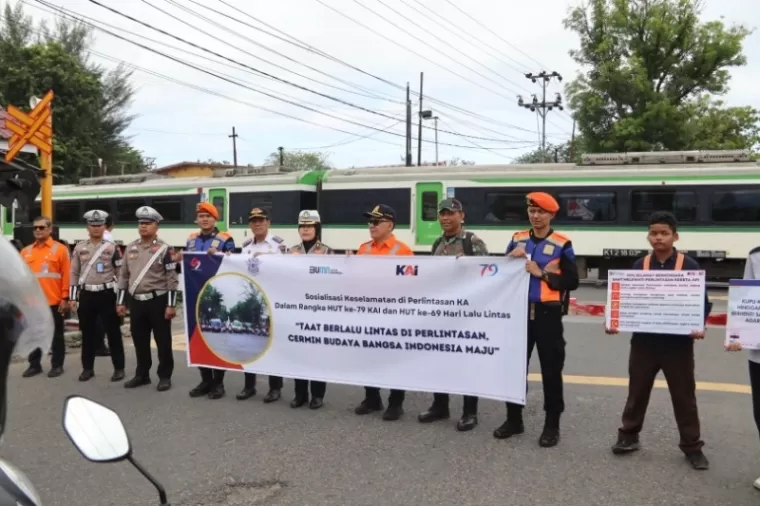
(396, 397)
(58, 346)
(546, 333)
(97, 313)
(275, 382)
(212, 376)
(754, 380)
(146, 317)
(469, 406)
(318, 388)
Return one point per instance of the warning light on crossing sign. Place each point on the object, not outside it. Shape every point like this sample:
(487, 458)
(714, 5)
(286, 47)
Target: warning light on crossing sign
(34, 128)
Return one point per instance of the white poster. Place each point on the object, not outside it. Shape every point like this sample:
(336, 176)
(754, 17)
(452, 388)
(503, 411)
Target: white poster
(743, 323)
(660, 302)
(432, 324)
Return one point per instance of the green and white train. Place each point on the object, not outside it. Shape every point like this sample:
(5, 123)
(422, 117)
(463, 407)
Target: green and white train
(605, 202)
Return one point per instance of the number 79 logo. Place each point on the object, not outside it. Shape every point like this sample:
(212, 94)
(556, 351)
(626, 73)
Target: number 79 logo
(488, 270)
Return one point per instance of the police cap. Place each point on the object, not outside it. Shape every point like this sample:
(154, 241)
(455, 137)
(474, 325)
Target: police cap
(147, 214)
(95, 217)
(258, 212)
(543, 201)
(309, 218)
(382, 212)
(450, 205)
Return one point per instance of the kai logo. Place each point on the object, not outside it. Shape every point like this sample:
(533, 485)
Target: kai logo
(487, 270)
(406, 270)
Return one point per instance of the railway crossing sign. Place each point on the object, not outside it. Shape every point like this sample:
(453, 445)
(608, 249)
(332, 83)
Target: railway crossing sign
(33, 128)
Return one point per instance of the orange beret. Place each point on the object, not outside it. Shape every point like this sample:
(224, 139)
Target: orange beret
(205, 207)
(543, 200)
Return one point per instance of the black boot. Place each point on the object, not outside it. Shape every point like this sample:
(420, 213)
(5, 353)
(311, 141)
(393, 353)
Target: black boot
(369, 405)
(550, 435)
(217, 391)
(87, 375)
(203, 388)
(434, 414)
(299, 401)
(513, 425)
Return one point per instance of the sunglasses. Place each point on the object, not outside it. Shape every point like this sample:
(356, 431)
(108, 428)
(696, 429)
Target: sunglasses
(374, 223)
(40, 227)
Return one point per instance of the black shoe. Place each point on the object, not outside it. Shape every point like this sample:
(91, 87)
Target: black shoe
(393, 413)
(509, 429)
(316, 403)
(55, 372)
(272, 395)
(32, 371)
(217, 392)
(467, 422)
(246, 393)
(433, 415)
(549, 437)
(137, 381)
(298, 401)
(87, 375)
(368, 406)
(103, 352)
(164, 384)
(698, 460)
(117, 375)
(201, 390)
(625, 445)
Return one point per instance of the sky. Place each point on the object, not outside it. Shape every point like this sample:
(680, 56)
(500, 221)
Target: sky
(233, 288)
(186, 114)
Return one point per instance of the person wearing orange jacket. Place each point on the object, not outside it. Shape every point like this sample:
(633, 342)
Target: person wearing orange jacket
(50, 263)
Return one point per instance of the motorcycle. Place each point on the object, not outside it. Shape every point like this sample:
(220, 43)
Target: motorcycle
(100, 436)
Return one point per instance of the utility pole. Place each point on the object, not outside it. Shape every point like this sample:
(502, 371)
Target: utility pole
(234, 137)
(282, 155)
(408, 157)
(419, 124)
(542, 107)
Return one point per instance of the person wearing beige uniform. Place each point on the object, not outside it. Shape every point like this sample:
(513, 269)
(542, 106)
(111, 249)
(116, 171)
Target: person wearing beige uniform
(95, 265)
(149, 274)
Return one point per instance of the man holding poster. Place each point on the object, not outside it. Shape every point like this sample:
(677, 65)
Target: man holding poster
(671, 353)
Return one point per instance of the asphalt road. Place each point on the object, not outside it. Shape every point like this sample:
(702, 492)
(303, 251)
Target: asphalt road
(275, 456)
(236, 348)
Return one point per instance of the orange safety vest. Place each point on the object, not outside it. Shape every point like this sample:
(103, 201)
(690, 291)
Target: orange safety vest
(51, 265)
(678, 267)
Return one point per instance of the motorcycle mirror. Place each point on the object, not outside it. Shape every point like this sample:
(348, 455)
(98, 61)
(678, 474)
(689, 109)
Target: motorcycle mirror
(15, 487)
(96, 431)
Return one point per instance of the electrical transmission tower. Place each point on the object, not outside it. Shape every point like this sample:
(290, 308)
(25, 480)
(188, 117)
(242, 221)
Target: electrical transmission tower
(542, 107)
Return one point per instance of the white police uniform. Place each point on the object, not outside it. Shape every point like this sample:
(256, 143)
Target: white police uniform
(271, 244)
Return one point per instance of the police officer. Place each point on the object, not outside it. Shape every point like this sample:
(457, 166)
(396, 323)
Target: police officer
(149, 275)
(553, 275)
(454, 241)
(261, 242)
(95, 265)
(103, 350)
(310, 230)
(211, 240)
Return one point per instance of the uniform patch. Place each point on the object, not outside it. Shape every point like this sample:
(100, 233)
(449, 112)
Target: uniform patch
(548, 249)
(215, 243)
(277, 239)
(133, 255)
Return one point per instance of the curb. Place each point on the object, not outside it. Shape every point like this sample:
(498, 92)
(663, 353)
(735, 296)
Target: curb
(597, 309)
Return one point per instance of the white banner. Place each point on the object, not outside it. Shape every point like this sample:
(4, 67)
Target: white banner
(432, 324)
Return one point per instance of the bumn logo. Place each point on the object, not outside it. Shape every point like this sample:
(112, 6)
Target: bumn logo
(488, 270)
(406, 270)
(322, 269)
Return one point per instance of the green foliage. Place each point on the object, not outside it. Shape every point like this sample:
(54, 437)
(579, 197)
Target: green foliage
(297, 161)
(90, 105)
(555, 153)
(651, 69)
(250, 309)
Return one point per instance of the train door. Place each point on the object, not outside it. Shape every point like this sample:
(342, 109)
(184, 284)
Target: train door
(427, 228)
(218, 198)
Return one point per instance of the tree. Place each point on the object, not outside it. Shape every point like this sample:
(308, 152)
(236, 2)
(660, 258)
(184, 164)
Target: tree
(211, 304)
(299, 160)
(90, 109)
(651, 69)
(559, 153)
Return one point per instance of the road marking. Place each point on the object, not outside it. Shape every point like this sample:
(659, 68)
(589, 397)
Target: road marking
(179, 343)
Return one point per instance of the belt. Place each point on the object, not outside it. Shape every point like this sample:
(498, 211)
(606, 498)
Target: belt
(98, 288)
(149, 295)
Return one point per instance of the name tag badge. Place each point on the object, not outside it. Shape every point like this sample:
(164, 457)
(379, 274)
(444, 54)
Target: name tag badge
(548, 249)
(44, 268)
(99, 268)
(215, 243)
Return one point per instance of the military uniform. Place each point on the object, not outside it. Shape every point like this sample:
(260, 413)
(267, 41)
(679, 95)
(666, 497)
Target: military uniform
(460, 244)
(314, 247)
(548, 299)
(94, 271)
(270, 245)
(149, 275)
(212, 380)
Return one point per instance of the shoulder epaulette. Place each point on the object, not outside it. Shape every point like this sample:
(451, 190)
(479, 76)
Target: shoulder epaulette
(247, 242)
(193, 235)
(561, 236)
(224, 236)
(277, 239)
(755, 250)
(521, 234)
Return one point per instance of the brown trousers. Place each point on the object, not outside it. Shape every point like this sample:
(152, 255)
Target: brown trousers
(677, 364)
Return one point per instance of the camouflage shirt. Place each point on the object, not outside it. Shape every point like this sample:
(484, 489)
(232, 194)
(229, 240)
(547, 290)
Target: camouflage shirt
(453, 246)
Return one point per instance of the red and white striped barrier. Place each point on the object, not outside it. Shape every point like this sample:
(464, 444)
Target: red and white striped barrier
(597, 309)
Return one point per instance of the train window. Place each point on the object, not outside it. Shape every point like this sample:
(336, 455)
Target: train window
(100, 205)
(347, 207)
(170, 209)
(429, 206)
(67, 212)
(126, 209)
(505, 207)
(218, 202)
(588, 207)
(736, 205)
(283, 206)
(308, 200)
(683, 204)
